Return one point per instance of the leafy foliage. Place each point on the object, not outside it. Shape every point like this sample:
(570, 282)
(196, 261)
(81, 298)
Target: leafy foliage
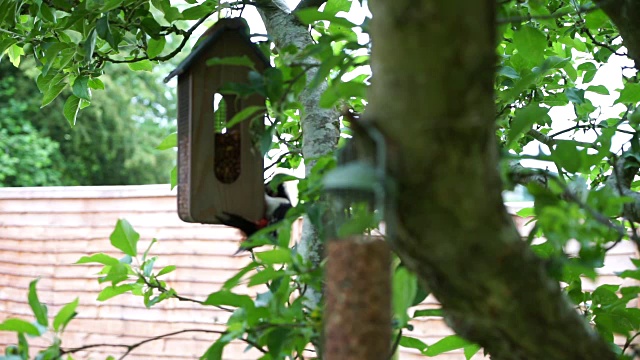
(28, 157)
(106, 147)
(552, 55)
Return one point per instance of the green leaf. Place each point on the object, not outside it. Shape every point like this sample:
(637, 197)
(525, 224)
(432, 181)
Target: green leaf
(413, 343)
(52, 92)
(20, 326)
(111, 291)
(525, 117)
(357, 175)
(171, 14)
(23, 346)
(451, 342)
(15, 52)
(310, 15)
(276, 256)
(169, 142)
(276, 339)
(142, 65)
(471, 350)
(358, 224)
(266, 275)
(225, 297)
(125, 238)
(80, 88)
(633, 274)
(509, 72)
(70, 109)
(630, 94)
(39, 309)
(428, 312)
(214, 352)
(174, 177)
(596, 19)
(100, 258)
(147, 266)
(96, 83)
(244, 114)
(65, 315)
(151, 26)
(111, 4)
(405, 287)
(575, 95)
(117, 274)
(530, 43)
(344, 91)
(598, 89)
(235, 279)
(567, 156)
(557, 99)
(155, 46)
(333, 7)
(5, 44)
(526, 212)
(553, 62)
(243, 60)
(166, 270)
(589, 70)
(146, 252)
(103, 29)
(90, 44)
(199, 11)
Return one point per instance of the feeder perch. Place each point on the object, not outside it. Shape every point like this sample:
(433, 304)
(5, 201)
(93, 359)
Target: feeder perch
(219, 168)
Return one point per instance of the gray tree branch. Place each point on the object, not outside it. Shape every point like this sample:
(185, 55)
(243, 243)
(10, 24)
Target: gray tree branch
(320, 127)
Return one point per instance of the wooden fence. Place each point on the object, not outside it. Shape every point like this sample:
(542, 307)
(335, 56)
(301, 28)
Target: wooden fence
(43, 231)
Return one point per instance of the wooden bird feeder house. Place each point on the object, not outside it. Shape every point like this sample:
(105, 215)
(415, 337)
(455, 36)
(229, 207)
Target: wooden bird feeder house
(219, 168)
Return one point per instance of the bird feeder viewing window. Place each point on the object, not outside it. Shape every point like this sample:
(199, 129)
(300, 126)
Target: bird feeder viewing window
(227, 161)
(219, 168)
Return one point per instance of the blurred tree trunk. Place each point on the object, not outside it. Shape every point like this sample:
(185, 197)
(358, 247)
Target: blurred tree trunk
(432, 96)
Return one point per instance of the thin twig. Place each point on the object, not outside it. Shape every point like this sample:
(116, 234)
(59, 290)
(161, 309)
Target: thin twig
(593, 38)
(133, 346)
(581, 10)
(550, 142)
(185, 37)
(587, 126)
(628, 342)
(178, 297)
(277, 161)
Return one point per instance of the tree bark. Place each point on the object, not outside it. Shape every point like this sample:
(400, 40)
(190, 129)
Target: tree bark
(320, 127)
(625, 14)
(433, 65)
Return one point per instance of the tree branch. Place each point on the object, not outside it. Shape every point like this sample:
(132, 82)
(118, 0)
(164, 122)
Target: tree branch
(320, 127)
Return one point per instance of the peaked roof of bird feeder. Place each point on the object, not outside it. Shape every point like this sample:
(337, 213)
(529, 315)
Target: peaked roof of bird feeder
(211, 36)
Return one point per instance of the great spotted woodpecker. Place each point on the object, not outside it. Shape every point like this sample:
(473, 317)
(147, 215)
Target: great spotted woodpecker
(276, 203)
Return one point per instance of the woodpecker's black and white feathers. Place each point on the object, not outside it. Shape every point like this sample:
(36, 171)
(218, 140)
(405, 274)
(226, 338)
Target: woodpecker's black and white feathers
(276, 203)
